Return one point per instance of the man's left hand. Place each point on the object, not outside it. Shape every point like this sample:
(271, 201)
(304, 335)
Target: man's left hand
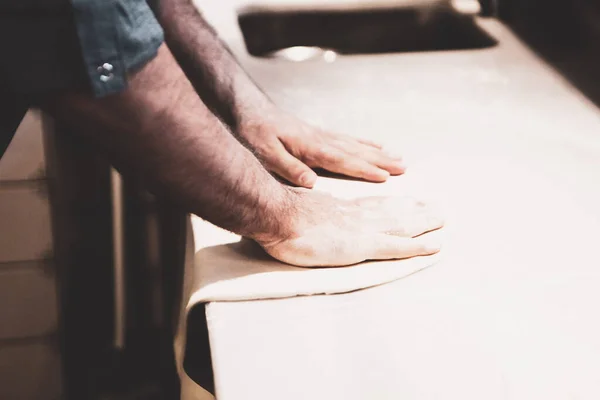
(291, 148)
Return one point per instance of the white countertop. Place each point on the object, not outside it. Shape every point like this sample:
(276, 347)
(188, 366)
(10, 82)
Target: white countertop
(512, 153)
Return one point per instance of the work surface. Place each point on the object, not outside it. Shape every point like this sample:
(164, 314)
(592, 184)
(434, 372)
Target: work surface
(511, 152)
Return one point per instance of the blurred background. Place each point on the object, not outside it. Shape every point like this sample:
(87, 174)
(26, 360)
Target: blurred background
(90, 263)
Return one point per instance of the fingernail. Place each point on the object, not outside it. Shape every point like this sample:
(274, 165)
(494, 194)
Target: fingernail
(399, 165)
(383, 174)
(307, 179)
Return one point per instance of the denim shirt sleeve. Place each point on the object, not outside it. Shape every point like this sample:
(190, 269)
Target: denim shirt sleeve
(116, 36)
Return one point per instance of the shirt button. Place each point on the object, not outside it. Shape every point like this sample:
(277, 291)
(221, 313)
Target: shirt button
(105, 71)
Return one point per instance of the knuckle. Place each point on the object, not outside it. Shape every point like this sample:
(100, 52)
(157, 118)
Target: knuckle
(327, 154)
(264, 150)
(410, 204)
(311, 155)
(434, 221)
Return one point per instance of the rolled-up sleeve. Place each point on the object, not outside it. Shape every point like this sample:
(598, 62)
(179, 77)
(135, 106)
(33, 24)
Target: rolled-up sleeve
(54, 45)
(116, 36)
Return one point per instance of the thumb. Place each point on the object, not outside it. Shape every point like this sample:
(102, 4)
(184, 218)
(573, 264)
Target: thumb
(289, 167)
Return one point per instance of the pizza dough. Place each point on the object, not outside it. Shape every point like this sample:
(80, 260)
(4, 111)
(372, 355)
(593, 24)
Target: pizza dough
(243, 271)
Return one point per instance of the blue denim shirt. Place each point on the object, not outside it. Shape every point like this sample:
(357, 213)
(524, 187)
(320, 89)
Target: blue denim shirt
(53, 45)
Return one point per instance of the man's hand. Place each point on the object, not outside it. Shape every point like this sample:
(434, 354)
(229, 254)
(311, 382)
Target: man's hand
(326, 231)
(290, 148)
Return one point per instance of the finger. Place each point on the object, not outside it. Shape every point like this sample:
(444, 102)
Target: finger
(375, 145)
(388, 247)
(369, 143)
(390, 207)
(289, 167)
(391, 154)
(361, 141)
(376, 157)
(352, 139)
(380, 159)
(414, 226)
(335, 160)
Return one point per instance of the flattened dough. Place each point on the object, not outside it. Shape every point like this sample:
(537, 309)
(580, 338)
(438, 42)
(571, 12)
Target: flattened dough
(243, 271)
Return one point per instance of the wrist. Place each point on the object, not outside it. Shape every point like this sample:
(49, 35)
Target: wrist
(277, 222)
(251, 118)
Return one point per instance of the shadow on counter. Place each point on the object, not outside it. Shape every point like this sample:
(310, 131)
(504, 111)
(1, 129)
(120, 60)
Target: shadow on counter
(566, 34)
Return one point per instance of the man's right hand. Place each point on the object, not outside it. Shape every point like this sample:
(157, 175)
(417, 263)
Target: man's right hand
(322, 230)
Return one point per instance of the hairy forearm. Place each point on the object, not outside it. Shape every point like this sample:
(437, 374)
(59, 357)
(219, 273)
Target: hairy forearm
(213, 70)
(159, 130)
